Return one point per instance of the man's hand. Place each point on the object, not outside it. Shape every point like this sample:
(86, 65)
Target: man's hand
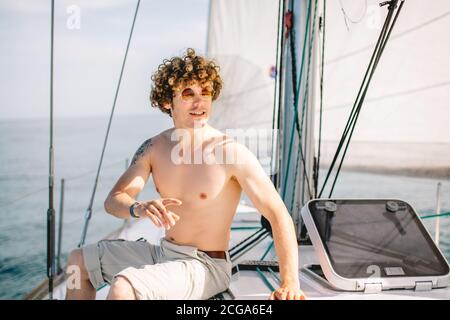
(157, 212)
(287, 292)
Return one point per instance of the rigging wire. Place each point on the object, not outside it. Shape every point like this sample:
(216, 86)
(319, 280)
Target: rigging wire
(356, 106)
(351, 123)
(26, 195)
(248, 242)
(89, 209)
(358, 102)
(383, 45)
(7, 204)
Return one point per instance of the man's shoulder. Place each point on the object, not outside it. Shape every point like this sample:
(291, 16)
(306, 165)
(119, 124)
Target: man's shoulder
(150, 144)
(158, 138)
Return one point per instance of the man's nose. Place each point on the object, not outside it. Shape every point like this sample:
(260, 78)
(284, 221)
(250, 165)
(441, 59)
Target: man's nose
(198, 100)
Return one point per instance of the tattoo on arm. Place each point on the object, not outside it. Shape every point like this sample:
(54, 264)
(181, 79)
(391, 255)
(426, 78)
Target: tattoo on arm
(140, 152)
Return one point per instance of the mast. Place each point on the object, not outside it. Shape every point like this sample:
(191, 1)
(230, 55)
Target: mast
(300, 97)
(51, 210)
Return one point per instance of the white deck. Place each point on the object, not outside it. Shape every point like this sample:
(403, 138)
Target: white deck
(249, 285)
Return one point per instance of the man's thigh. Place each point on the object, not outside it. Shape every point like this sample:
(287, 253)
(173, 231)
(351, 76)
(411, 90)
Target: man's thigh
(178, 279)
(103, 260)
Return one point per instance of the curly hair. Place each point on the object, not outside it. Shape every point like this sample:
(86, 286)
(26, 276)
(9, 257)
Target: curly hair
(178, 72)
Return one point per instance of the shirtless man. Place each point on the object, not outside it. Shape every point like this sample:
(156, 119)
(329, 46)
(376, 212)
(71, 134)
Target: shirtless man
(197, 205)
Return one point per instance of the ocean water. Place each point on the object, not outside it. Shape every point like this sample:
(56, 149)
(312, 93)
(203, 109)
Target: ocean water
(24, 190)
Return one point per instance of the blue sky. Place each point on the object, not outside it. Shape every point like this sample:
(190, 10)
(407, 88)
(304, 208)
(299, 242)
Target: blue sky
(88, 56)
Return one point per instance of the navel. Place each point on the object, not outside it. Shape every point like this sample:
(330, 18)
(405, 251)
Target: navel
(203, 196)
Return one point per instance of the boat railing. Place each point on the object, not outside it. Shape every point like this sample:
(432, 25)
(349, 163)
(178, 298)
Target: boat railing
(423, 215)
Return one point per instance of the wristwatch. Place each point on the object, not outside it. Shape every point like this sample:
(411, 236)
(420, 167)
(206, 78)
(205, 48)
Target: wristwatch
(132, 210)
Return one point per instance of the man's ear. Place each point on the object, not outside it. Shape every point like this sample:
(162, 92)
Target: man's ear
(167, 106)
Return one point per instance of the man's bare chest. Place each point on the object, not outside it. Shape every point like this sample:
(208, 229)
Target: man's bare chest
(191, 182)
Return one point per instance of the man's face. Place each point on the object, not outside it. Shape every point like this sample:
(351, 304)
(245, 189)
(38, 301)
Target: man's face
(191, 105)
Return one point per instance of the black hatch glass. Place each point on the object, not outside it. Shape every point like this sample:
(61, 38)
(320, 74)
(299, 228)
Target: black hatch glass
(378, 238)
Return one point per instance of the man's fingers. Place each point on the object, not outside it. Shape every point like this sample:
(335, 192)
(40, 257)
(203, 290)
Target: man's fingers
(162, 213)
(301, 296)
(174, 216)
(281, 295)
(144, 211)
(171, 202)
(155, 211)
(167, 219)
(153, 218)
(286, 293)
(160, 207)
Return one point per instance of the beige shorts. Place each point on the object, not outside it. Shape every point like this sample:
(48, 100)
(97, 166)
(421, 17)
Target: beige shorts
(165, 271)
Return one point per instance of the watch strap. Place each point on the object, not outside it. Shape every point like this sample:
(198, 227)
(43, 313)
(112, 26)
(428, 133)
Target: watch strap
(132, 210)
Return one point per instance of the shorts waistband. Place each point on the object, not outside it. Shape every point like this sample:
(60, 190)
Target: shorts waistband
(216, 254)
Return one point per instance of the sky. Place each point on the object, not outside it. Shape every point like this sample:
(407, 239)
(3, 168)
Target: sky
(89, 46)
(409, 96)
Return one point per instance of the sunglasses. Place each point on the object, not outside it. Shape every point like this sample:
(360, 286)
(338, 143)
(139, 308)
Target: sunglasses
(188, 94)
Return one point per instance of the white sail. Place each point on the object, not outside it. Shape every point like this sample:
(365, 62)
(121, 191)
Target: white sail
(404, 120)
(242, 38)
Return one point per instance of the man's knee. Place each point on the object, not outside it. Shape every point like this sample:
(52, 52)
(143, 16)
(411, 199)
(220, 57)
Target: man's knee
(121, 289)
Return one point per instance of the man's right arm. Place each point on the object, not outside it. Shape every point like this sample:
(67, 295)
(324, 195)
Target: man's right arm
(132, 181)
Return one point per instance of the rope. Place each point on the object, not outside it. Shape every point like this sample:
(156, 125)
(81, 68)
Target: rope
(444, 214)
(89, 209)
(268, 250)
(245, 228)
(274, 274)
(261, 274)
(264, 234)
(246, 239)
(293, 53)
(264, 279)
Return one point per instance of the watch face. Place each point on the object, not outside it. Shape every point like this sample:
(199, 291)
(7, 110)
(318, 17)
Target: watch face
(363, 238)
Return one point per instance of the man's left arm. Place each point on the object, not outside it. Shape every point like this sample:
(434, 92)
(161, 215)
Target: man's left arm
(256, 184)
